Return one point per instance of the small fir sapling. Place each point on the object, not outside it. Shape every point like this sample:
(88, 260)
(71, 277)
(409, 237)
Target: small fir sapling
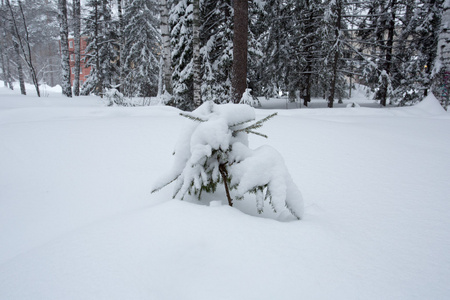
(214, 151)
(247, 98)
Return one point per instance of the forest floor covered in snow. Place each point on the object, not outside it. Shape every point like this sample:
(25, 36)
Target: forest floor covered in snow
(78, 221)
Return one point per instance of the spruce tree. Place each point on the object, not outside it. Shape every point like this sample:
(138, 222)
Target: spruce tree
(142, 40)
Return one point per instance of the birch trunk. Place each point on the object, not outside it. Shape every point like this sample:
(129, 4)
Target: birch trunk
(166, 49)
(64, 34)
(15, 41)
(4, 71)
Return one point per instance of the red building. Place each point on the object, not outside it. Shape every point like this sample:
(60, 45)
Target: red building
(84, 71)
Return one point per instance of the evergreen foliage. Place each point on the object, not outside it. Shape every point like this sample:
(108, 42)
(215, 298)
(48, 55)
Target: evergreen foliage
(214, 151)
(142, 40)
(102, 49)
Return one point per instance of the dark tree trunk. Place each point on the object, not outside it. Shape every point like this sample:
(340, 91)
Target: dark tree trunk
(28, 59)
(224, 173)
(336, 54)
(97, 53)
(388, 62)
(196, 54)
(239, 71)
(121, 45)
(77, 41)
(308, 70)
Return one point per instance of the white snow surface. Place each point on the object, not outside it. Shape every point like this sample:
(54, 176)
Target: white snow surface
(77, 220)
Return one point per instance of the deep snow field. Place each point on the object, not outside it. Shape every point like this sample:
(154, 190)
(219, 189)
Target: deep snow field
(78, 221)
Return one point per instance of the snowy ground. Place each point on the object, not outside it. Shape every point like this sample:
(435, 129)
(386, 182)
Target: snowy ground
(77, 220)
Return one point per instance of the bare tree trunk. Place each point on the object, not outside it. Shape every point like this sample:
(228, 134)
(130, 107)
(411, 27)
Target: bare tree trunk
(6, 57)
(64, 33)
(4, 71)
(77, 41)
(19, 68)
(308, 69)
(239, 70)
(97, 54)
(196, 54)
(388, 64)
(224, 173)
(121, 44)
(15, 41)
(336, 53)
(166, 51)
(28, 60)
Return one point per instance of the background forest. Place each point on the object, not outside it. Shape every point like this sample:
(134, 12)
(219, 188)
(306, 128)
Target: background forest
(184, 49)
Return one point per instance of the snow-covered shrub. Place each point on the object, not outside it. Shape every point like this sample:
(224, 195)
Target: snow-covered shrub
(114, 97)
(247, 98)
(214, 151)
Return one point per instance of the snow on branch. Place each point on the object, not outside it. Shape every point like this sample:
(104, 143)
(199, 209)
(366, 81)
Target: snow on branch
(214, 151)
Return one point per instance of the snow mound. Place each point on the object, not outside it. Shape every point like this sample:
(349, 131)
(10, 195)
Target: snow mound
(430, 104)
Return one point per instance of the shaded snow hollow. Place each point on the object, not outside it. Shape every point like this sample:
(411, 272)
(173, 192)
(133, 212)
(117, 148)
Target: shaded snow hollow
(77, 220)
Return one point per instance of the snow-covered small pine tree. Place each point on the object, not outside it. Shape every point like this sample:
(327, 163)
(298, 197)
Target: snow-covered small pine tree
(214, 151)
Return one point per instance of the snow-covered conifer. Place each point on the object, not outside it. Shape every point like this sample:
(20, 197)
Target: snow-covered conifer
(142, 40)
(102, 51)
(215, 151)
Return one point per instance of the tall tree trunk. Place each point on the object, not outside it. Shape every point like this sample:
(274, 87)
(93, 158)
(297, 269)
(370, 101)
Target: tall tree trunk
(15, 41)
(196, 54)
(6, 58)
(121, 45)
(64, 33)
(309, 57)
(77, 41)
(166, 51)
(26, 54)
(388, 57)
(336, 53)
(239, 71)
(443, 52)
(4, 71)
(97, 52)
(28, 60)
(19, 67)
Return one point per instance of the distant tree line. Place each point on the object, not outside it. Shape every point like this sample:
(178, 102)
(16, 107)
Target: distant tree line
(192, 51)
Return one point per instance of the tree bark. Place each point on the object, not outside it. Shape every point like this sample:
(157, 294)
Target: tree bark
(28, 59)
(196, 54)
(224, 173)
(166, 49)
(77, 48)
(4, 71)
(15, 41)
(64, 34)
(97, 52)
(336, 53)
(388, 57)
(239, 70)
(121, 44)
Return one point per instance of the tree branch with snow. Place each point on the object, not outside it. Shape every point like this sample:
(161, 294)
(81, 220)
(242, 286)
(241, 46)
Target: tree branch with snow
(214, 151)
